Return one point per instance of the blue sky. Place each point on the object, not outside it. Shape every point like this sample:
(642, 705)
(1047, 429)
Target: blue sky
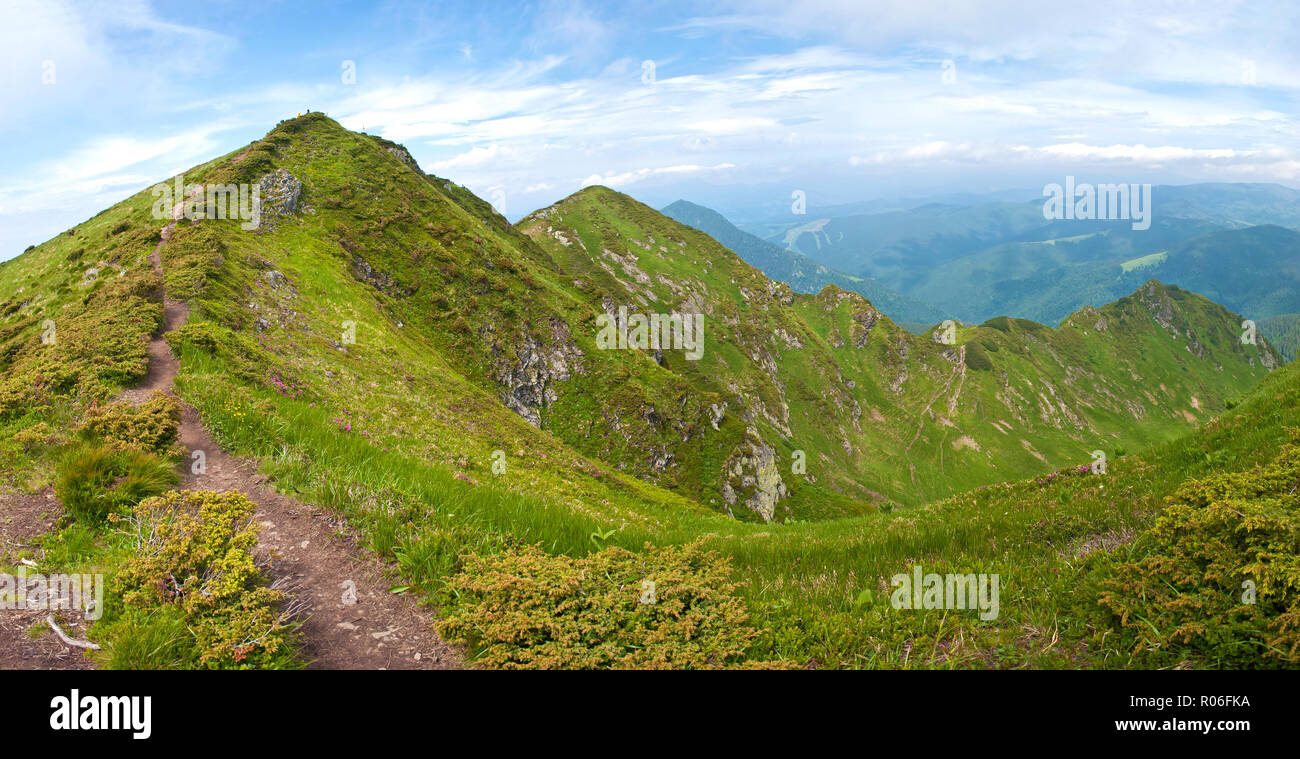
(732, 104)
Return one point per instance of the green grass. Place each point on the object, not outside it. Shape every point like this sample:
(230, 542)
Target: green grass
(1144, 261)
(397, 430)
(1284, 332)
(97, 481)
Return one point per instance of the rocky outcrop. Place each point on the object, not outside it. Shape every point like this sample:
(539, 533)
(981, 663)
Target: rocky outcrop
(716, 413)
(275, 279)
(900, 379)
(752, 477)
(1157, 303)
(281, 195)
(791, 341)
(528, 382)
(403, 155)
(378, 279)
(864, 318)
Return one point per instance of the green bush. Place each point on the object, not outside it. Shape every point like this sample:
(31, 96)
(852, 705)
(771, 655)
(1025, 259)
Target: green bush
(527, 609)
(976, 358)
(96, 480)
(194, 551)
(203, 335)
(154, 638)
(39, 435)
(150, 427)
(1187, 593)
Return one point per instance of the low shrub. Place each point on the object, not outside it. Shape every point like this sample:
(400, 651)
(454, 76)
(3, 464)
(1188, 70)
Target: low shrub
(149, 427)
(39, 435)
(667, 607)
(194, 551)
(207, 336)
(1217, 580)
(96, 480)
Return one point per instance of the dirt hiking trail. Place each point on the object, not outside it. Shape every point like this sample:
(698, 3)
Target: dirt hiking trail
(350, 621)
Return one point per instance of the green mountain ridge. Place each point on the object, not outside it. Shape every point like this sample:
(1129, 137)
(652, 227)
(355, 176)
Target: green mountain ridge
(400, 356)
(1234, 243)
(1252, 270)
(445, 293)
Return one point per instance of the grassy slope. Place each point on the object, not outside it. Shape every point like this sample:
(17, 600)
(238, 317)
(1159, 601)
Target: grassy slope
(94, 286)
(431, 416)
(899, 405)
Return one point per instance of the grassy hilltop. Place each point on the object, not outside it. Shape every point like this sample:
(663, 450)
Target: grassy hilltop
(390, 349)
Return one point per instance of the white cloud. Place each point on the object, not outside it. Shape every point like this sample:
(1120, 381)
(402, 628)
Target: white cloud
(1272, 164)
(477, 156)
(839, 91)
(625, 178)
(731, 125)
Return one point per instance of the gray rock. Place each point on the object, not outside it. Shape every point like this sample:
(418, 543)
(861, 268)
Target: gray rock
(753, 478)
(528, 383)
(378, 279)
(404, 156)
(281, 194)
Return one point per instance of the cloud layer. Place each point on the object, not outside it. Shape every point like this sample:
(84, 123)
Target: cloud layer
(658, 99)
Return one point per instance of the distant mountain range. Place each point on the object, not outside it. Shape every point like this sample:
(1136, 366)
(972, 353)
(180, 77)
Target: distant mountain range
(1235, 243)
(799, 271)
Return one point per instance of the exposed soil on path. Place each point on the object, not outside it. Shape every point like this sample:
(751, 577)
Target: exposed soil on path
(353, 621)
(162, 366)
(25, 516)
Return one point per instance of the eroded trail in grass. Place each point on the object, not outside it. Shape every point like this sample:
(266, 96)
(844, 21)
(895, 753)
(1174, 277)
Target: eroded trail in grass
(352, 621)
(958, 373)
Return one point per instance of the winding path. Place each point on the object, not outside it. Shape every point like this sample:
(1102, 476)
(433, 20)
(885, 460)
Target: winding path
(351, 620)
